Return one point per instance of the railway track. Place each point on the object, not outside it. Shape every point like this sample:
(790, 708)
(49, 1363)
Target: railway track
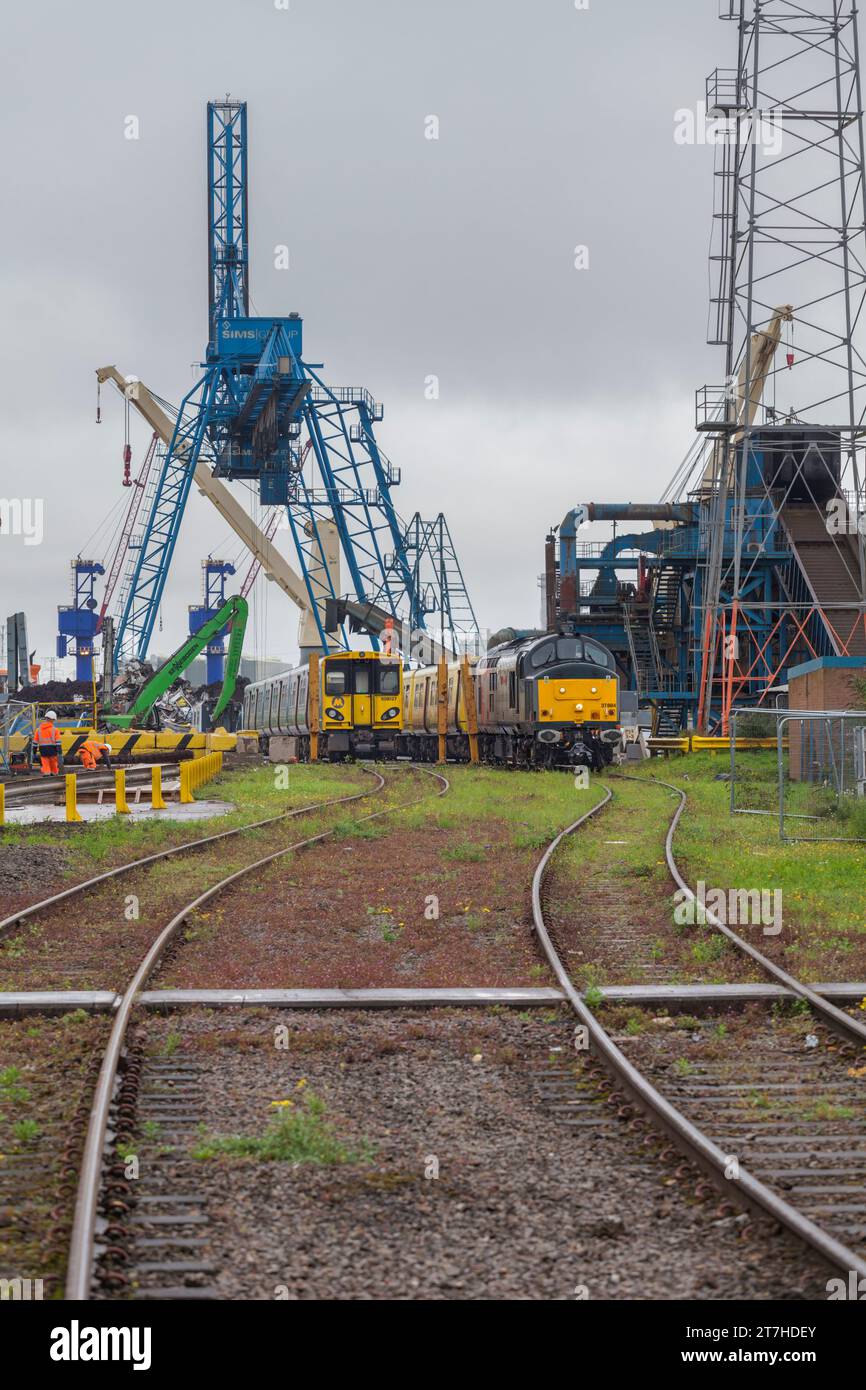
(117, 1095)
(26, 791)
(776, 1128)
(40, 1193)
(14, 919)
(770, 1127)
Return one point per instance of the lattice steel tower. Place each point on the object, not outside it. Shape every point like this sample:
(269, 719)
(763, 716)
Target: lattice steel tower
(787, 426)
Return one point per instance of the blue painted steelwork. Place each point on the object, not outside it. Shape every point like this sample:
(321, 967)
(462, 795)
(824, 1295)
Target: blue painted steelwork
(356, 493)
(228, 222)
(246, 416)
(215, 574)
(438, 582)
(138, 619)
(641, 594)
(78, 623)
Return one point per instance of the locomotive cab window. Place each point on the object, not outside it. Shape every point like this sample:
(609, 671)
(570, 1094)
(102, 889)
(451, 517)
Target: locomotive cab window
(362, 678)
(599, 655)
(512, 690)
(542, 655)
(569, 649)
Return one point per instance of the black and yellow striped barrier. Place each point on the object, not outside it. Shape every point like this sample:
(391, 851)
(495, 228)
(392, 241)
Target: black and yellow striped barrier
(129, 744)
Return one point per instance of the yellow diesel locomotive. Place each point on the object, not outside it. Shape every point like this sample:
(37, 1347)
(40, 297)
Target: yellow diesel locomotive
(359, 706)
(545, 700)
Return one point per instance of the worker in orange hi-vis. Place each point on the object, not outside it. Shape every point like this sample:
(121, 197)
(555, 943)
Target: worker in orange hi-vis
(94, 751)
(47, 740)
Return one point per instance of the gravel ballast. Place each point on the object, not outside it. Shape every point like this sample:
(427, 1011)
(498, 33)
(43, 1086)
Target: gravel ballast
(526, 1205)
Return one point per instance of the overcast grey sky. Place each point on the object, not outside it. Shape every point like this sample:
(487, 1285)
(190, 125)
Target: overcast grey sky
(409, 256)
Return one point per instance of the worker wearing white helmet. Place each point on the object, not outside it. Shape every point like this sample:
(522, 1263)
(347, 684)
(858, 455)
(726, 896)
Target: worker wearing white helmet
(95, 750)
(47, 741)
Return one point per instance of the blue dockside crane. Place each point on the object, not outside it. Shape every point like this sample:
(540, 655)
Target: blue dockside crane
(77, 623)
(248, 416)
(215, 574)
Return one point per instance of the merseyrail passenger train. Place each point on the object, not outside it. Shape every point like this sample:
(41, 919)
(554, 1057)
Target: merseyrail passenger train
(360, 706)
(543, 700)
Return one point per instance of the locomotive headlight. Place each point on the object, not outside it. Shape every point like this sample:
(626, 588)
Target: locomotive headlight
(389, 713)
(593, 690)
(578, 707)
(562, 690)
(334, 714)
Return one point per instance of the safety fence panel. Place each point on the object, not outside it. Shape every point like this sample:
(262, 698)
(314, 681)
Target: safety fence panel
(813, 781)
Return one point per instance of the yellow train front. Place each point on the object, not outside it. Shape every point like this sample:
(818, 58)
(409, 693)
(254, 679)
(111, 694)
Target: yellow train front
(549, 700)
(358, 711)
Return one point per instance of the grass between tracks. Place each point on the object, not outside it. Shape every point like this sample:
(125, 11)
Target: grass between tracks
(254, 794)
(298, 1133)
(532, 807)
(823, 885)
(436, 894)
(490, 814)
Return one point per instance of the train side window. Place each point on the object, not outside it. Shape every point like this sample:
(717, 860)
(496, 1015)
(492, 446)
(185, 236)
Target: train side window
(491, 682)
(512, 690)
(337, 678)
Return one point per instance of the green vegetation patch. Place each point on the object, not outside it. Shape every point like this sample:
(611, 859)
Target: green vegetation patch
(298, 1133)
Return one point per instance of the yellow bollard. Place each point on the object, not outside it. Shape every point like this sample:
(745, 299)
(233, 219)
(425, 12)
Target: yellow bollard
(198, 771)
(120, 802)
(71, 797)
(156, 798)
(185, 790)
(2, 803)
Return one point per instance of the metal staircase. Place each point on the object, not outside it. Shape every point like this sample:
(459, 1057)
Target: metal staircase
(643, 647)
(830, 567)
(667, 599)
(655, 681)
